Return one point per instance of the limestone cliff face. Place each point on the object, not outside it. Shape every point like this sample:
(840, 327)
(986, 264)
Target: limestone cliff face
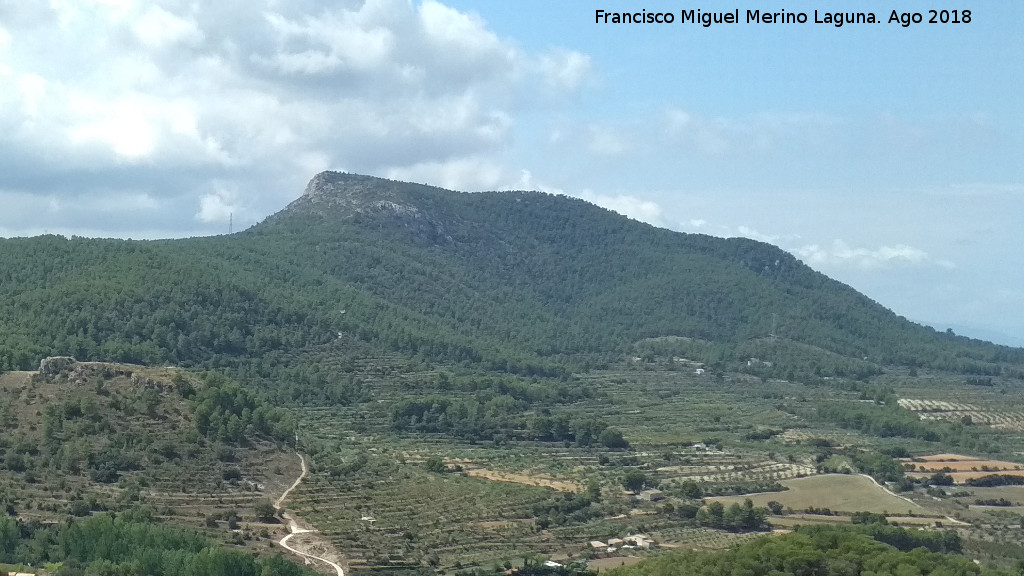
(340, 198)
(352, 191)
(54, 365)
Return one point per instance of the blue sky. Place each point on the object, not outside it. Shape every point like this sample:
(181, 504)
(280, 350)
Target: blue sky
(886, 157)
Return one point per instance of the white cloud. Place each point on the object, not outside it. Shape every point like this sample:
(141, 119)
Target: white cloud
(758, 134)
(160, 98)
(526, 181)
(32, 88)
(841, 253)
(627, 205)
(158, 28)
(605, 141)
(465, 174)
(218, 205)
(748, 232)
(333, 42)
(564, 69)
(451, 29)
(125, 127)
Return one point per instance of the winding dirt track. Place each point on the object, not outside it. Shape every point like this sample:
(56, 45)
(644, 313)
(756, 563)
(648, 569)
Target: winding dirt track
(293, 526)
(891, 493)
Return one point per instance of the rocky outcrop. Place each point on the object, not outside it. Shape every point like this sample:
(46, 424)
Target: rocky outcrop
(356, 194)
(54, 365)
(340, 198)
(82, 373)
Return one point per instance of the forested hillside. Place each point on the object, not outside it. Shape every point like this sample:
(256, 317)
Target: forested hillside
(826, 551)
(129, 544)
(420, 333)
(515, 281)
(125, 469)
(86, 437)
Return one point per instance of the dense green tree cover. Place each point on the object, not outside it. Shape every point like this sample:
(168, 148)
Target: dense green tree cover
(473, 419)
(516, 282)
(486, 407)
(868, 518)
(734, 517)
(903, 539)
(739, 487)
(225, 411)
(130, 545)
(884, 421)
(889, 420)
(996, 480)
(582, 431)
(636, 480)
(567, 508)
(864, 550)
(881, 467)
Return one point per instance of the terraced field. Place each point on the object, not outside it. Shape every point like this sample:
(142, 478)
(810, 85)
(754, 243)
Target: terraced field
(394, 515)
(726, 433)
(180, 476)
(960, 467)
(722, 470)
(701, 538)
(410, 517)
(1003, 419)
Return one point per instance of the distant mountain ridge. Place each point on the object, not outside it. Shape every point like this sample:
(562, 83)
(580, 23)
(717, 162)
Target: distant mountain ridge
(581, 261)
(526, 282)
(979, 333)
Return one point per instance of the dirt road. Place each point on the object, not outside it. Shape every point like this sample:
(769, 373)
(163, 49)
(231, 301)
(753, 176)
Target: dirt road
(293, 525)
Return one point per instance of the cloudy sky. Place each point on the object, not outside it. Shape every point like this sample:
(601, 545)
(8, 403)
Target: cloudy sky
(889, 157)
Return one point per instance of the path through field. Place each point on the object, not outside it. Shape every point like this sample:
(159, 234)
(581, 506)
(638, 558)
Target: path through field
(293, 525)
(891, 493)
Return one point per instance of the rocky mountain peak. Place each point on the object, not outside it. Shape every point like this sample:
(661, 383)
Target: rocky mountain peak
(353, 190)
(338, 196)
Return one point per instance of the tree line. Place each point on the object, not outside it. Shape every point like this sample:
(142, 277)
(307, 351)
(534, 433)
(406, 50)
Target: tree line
(130, 544)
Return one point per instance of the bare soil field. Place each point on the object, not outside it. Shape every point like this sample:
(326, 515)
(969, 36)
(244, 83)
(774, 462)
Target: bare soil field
(524, 479)
(988, 466)
(943, 458)
(607, 564)
(960, 467)
(837, 492)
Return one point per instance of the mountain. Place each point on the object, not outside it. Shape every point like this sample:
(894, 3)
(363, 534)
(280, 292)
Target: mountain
(523, 282)
(555, 275)
(986, 334)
